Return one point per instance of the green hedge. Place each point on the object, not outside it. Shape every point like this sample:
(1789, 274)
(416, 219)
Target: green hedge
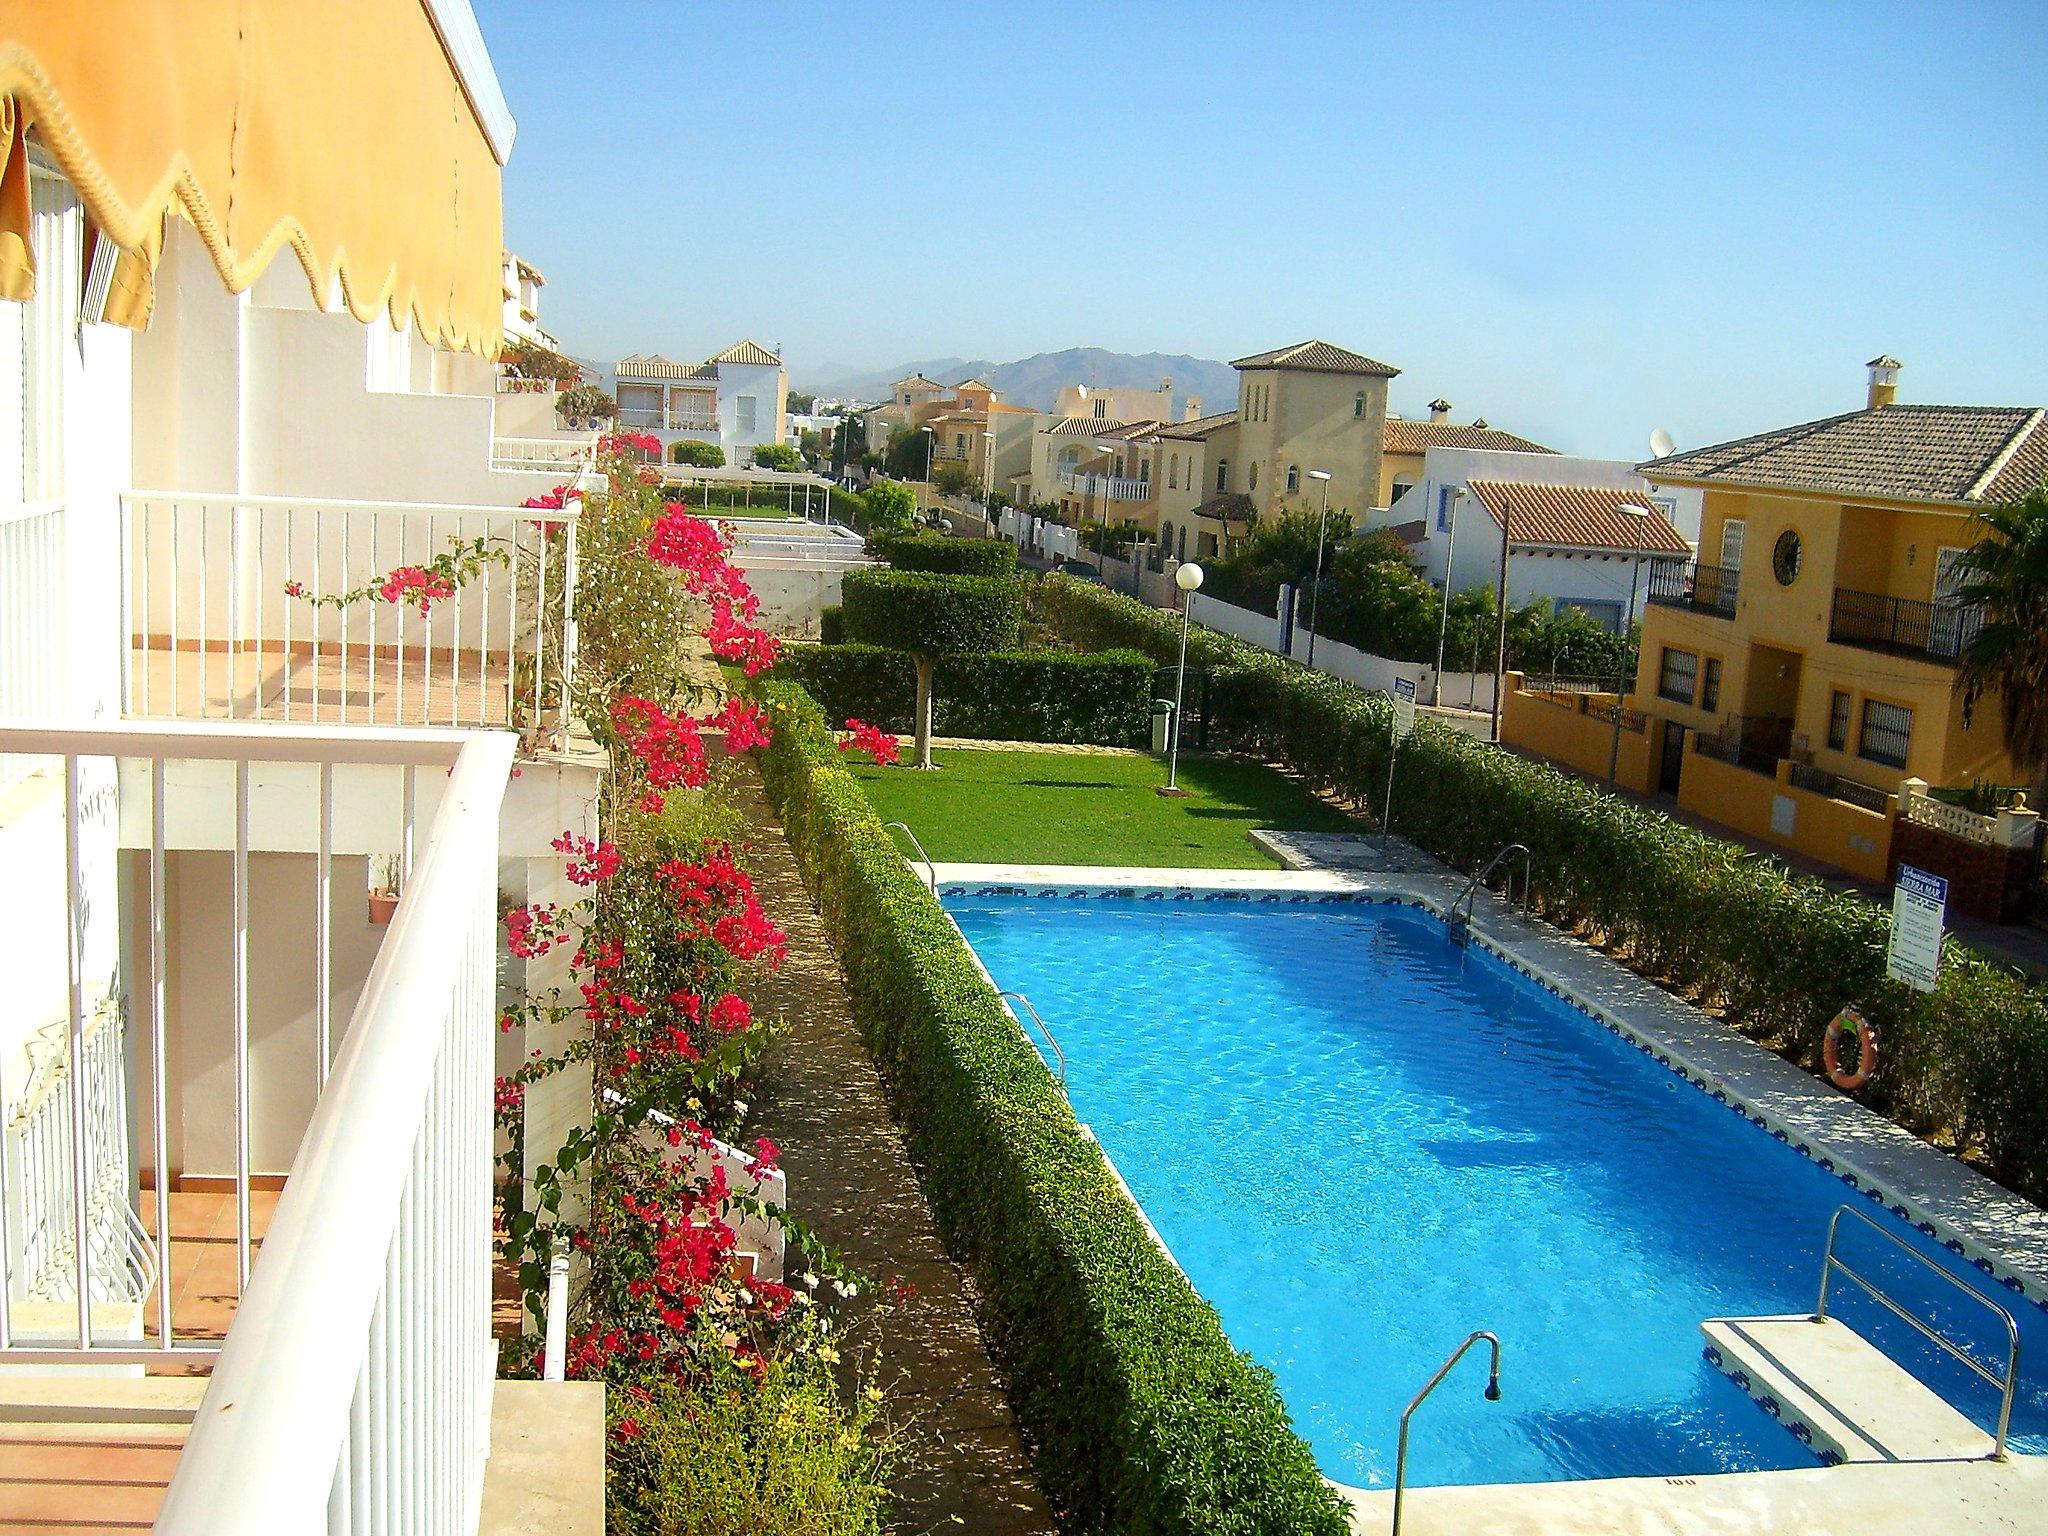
(924, 611)
(1140, 1416)
(831, 625)
(1780, 953)
(947, 555)
(1101, 699)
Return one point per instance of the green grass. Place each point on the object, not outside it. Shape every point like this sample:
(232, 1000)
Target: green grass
(986, 807)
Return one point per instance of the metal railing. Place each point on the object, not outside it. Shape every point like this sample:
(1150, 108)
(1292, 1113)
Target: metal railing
(2008, 1384)
(1699, 587)
(1752, 742)
(670, 420)
(1899, 626)
(1492, 1396)
(931, 869)
(1470, 894)
(1818, 781)
(565, 457)
(1058, 1055)
(217, 610)
(33, 618)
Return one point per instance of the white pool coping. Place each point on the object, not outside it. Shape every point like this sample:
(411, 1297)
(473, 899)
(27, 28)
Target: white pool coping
(2004, 1237)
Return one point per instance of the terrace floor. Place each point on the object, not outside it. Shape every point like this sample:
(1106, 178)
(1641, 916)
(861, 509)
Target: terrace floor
(465, 688)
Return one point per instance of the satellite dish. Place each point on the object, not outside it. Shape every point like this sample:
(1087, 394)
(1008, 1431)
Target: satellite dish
(1661, 445)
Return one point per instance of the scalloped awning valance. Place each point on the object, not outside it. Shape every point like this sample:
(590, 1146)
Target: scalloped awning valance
(341, 132)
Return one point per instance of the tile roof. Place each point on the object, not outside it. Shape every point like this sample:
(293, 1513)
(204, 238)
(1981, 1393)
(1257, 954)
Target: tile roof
(1097, 426)
(749, 354)
(1317, 357)
(1231, 506)
(1578, 516)
(918, 378)
(659, 367)
(1417, 437)
(1973, 455)
(1200, 427)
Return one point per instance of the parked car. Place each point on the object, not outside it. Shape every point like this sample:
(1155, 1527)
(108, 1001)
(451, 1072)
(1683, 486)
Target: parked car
(1082, 570)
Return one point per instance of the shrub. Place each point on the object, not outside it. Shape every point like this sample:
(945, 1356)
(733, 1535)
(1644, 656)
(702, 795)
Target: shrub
(886, 506)
(831, 625)
(697, 455)
(930, 616)
(1780, 953)
(953, 478)
(1140, 1415)
(777, 456)
(1100, 699)
(945, 554)
(585, 400)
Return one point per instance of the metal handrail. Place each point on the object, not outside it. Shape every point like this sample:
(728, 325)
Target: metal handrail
(931, 869)
(1492, 1396)
(1466, 896)
(1058, 1054)
(2008, 1385)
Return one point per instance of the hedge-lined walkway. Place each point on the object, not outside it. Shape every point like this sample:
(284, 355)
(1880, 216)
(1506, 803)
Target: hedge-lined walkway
(849, 1178)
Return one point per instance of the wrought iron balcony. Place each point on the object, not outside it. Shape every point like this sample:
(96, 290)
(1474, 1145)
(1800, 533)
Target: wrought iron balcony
(1701, 588)
(1900, 626)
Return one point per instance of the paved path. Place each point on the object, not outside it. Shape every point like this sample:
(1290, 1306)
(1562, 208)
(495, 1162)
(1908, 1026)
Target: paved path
(850, 1178)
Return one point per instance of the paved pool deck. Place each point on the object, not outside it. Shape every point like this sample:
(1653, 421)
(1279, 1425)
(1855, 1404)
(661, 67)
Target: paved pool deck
(2004, 1237)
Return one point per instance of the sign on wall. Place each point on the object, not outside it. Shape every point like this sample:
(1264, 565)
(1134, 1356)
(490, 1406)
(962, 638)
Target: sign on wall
(1919, 905)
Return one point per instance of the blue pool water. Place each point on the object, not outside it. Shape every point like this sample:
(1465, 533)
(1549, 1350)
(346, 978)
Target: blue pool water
(1362, 1142)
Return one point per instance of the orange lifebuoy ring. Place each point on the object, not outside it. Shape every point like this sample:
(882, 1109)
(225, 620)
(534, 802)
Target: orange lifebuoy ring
(1866, 1049)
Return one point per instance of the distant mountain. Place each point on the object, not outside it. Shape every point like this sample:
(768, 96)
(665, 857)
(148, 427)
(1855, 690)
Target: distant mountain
(1037, 381)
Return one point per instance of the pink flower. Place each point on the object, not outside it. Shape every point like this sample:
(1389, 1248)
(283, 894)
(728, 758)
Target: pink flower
(879, 744)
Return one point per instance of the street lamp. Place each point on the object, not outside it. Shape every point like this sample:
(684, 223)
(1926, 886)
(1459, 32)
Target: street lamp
(1315, 593)
(988, 474)
(1443, 624)
(930, 438)
(1189, 579)
(1642, 517)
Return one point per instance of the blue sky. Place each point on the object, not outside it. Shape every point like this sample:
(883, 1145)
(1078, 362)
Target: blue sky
(1580, 222)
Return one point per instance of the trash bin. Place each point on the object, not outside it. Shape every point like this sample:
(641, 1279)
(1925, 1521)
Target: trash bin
(1162, 723)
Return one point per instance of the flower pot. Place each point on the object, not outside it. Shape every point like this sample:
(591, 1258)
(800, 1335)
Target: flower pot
(382, 905)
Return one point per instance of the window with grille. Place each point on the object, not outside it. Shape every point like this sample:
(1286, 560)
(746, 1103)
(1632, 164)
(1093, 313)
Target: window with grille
(1887, 733)
(1710, 685)
(1677, 674)
(1293, 478)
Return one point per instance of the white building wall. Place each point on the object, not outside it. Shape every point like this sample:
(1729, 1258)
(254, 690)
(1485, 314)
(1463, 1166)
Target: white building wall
(762, 385)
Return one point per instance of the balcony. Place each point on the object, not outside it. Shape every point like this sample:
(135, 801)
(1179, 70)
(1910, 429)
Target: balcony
(1899, 626)
(338, 1325)
(654, 419)
(1754, 742)
(215, 635)
(1700, 588)
(563, 458)
(1105, 487)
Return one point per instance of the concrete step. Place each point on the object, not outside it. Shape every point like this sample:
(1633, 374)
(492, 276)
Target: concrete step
(1857, 1404)
(60, 1399)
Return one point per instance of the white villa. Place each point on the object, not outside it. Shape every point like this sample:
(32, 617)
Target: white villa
(246, 1141)
(738, 399)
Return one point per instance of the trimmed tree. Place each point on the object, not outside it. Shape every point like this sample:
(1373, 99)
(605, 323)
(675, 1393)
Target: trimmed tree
(930, 616)
(778, 456)
(697, 455)
(886, 506)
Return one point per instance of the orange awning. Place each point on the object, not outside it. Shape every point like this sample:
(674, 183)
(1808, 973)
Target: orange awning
(341, 131)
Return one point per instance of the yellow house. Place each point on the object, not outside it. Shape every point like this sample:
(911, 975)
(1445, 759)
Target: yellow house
(1806, 665)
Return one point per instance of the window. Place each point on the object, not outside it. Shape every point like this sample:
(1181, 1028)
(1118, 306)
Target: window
(1443, 507)
(1710, 684)
(42, 332)
(1786, 557)
(1251, 482)
(960, 442)
(1358, 403)
(1887, 733)
(1173, 472)
(1222, 476)
(1675, 677)
(748, 405)
(1166, 538)
(1293, 478)
(1838, 721)
(1181, 548)
(1606, 615)
(1949, 574)
(1733, 531)
(1144, 471)
(1402, 486)
(1102, 409)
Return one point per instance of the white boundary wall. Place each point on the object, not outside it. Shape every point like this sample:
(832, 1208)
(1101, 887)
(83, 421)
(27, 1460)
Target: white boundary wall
(1470, 690)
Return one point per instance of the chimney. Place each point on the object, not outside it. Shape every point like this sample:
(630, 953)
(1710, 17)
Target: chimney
(1193, 409)
(1884, 381)
(1439, 409)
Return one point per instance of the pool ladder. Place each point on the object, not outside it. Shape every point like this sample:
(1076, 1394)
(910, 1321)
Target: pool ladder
(1492, 1396)
(1058, 1055)
(931, 870)
(1461, 910)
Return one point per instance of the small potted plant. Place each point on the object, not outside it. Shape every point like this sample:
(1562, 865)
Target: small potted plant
(383, 888)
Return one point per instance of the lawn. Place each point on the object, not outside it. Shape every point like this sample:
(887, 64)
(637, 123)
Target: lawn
(987, 807)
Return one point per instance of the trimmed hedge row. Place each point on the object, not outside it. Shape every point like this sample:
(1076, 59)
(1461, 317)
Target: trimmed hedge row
(1099, 699)
(1780, 953)
(945, 554)
(1141, 1416)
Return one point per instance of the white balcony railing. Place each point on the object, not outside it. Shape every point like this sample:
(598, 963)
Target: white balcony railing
(563, 457)
(655, 419)
(32, 617)
(1105, 487)
(216, 633)
(351, 1392)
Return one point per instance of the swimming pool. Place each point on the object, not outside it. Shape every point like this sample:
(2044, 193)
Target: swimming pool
(1362, 1141)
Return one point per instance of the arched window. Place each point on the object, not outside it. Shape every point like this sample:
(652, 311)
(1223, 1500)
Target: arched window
(1293, 478)
(1181, 549)
(1358, 403)
(1222, 476)
(1252, 477)
(1166, 538)
(1173, 473)
(960, 442)
(1144, 471)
